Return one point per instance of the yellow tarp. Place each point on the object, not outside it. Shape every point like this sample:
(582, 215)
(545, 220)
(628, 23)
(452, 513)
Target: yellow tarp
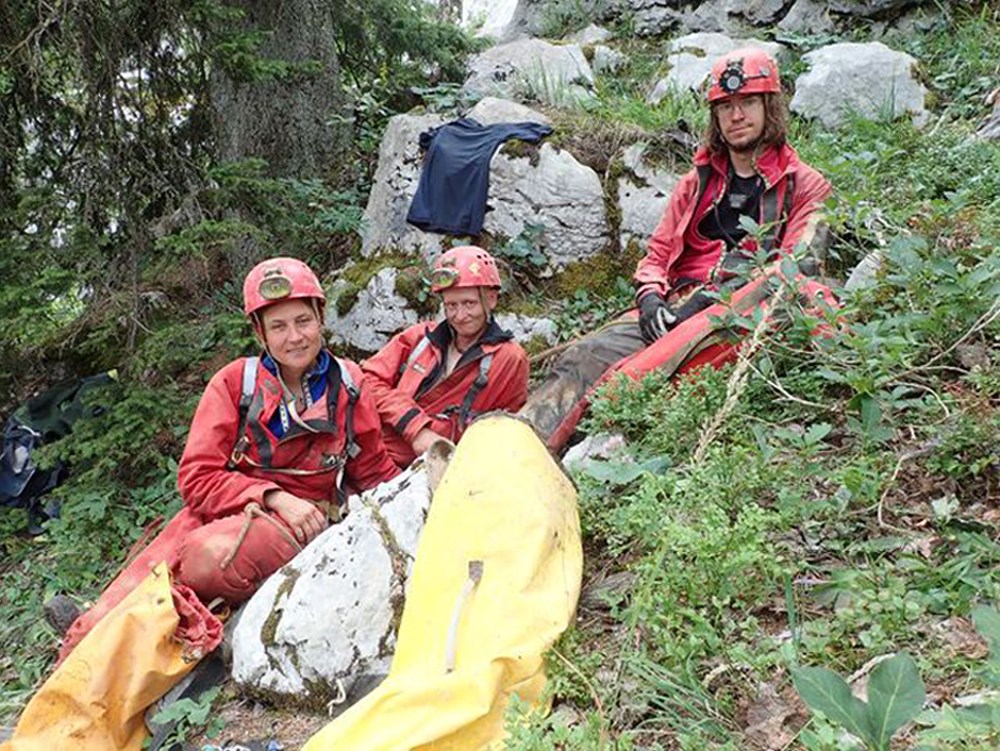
(95, 700)
(504, 510)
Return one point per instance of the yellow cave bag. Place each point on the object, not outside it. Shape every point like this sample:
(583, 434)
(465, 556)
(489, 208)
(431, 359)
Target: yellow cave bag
(95, 700)
(495, 583)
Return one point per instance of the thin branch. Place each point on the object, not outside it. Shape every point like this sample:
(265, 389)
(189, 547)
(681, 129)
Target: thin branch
(593, 694)
(984, 320)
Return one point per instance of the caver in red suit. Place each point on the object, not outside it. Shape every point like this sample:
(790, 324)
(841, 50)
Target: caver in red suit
(701, 247)
(275, 446)
(434, 378)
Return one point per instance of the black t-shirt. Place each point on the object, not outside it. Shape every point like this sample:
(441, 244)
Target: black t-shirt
(742, 199)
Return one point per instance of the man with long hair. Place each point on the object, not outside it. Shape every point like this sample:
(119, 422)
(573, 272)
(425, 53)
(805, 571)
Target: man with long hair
(744, 170)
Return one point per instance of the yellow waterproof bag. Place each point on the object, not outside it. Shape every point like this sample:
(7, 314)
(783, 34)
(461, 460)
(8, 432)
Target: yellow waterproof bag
(95, 700)
(495, 583)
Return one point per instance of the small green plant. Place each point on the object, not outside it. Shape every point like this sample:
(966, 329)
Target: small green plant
(977, 724)
(524, 253)
(190, 717)
(895, 696)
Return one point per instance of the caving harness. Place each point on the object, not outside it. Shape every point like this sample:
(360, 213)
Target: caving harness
(463, 412)
(336, 377)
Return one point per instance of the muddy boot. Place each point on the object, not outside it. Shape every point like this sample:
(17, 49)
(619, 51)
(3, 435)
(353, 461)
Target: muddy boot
(60, 612)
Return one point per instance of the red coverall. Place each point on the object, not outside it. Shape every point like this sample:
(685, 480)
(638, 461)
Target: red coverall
(412, 396)
(680, 256)
(203, 534)
(677, 250)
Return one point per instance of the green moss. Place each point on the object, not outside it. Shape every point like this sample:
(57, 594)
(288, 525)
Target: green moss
(270, 627)
(597, 274)
(412, 285)
(518, 149)
(524, 303)
(355, 277)
(535, 345)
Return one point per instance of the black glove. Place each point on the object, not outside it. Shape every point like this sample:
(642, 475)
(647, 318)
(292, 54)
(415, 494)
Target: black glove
(655, 317)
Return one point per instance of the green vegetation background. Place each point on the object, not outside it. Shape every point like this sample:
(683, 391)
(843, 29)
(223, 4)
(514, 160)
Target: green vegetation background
(843, 505)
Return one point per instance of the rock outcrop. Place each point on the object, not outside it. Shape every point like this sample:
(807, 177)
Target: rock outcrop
(321, 631)
(870, 80)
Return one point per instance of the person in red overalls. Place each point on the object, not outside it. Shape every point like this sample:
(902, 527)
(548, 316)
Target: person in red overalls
(430, 380)
(276, 445)
(745, 169)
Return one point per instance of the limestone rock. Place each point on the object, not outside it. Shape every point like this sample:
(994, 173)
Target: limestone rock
(532, 70)
(491, 110)
(807, 17)
(607, 60)
(324, 626)
(590, 35)
(991, 126)
(552, 189)
(871, 8)
(379, 312)
(544, 18)
(490, 18)
(643, 198)
(601, 446)
(691, 57)
(865, 274)
(525, 328)
(393, 187)
(869, 79)
(761, 12)
(652, 17)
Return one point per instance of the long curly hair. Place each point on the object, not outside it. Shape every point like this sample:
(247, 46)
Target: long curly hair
(775, 126)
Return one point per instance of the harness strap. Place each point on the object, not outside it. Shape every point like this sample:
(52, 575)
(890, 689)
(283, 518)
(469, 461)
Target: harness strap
(773, 222)
(351, 447)
(247, 387)
(336, 378)
(417, 351)
(477, 385)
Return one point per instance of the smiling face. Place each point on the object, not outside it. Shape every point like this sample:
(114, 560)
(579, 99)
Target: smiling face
(466, 313)
(292, 333)
(741, 120)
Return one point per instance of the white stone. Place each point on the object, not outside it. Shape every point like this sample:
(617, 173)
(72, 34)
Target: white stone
(865, 274)
(400, 160)
(601, 446)
(590, 35)
(690, 58)
(554, 190)
(807, 17)
(378, 313)
(489, 18)
(326, 621)
(760, 12)
(607, 60)
(525, 328)
(642, 199)
(868, 79)
(532, 70)
(491, 111)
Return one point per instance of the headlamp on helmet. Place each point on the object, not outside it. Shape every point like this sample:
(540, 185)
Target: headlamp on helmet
(746, 71)
(274, 285)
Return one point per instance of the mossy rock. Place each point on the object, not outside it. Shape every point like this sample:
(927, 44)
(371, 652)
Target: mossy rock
(355, 277)
(598, 274)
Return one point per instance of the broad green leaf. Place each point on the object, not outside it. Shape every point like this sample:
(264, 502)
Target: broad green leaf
(987, 621)
(895, 696)
(817, 432)
(619, 472)
(825, 691)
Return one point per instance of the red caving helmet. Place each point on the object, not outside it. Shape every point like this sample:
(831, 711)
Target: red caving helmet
(279, 279)
(465, 266)
(745, 71)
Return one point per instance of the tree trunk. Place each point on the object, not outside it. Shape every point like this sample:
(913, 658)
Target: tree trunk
(290, 122)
